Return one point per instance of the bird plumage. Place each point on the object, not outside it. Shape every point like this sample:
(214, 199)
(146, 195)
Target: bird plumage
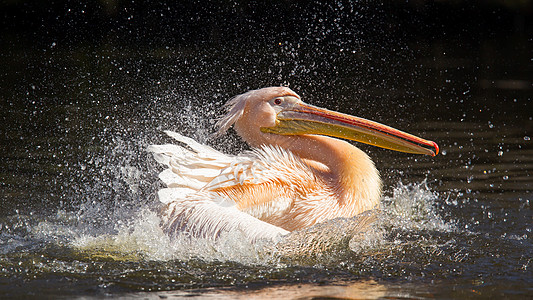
(288, 181)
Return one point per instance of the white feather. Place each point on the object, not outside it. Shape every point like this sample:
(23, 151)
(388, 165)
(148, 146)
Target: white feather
(198, 217)
(169, 195)
(189, 177)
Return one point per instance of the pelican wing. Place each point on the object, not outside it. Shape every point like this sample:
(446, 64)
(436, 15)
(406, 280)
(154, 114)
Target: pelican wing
(265, 182)
(199, 216)
(205, 187)
(190, 167)
(204, 184)
(249, 180)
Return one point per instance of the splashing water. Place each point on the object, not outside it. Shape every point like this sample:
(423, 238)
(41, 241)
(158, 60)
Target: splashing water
(413, 207)
(113, 212)
(140, 237)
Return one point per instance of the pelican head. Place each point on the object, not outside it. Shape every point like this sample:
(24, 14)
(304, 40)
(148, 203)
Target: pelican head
(262, 116)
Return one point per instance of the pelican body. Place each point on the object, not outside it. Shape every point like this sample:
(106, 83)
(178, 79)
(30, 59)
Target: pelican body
(297, 174)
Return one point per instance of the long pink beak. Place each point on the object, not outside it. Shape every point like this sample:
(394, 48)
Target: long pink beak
(302, 118)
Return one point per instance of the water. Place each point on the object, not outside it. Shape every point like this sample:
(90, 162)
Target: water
(79, 210)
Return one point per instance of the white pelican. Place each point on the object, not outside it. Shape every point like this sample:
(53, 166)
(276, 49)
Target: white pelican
(297, 174)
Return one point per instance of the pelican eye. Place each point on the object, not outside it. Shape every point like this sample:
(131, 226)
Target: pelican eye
(277, 101)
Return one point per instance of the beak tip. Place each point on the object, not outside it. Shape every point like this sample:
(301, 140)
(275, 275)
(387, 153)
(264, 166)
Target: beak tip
(436, 148)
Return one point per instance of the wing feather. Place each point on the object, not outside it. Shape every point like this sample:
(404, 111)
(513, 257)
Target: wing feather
(256, 185)
(198, 217)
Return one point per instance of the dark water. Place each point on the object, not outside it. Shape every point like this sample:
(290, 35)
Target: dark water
(78, 205)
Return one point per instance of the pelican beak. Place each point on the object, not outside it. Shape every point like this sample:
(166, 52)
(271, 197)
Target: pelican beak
(301, 118)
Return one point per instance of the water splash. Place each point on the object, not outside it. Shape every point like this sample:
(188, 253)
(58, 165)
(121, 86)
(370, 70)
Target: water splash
(114, 208)
(141, 239)
(411, 207)
(144, 239)
(114, 211)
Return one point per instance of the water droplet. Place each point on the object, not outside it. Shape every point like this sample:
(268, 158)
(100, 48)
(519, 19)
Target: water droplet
(505, 177)
(500, 153)
(527, 138)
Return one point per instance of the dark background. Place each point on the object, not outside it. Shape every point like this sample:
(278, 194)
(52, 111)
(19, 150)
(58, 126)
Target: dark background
(380, 34)
(162, 23)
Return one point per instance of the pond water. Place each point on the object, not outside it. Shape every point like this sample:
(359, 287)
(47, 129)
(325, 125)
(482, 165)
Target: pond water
(78, 188)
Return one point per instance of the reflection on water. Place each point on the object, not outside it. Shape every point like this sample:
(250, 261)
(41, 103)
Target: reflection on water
(365, 289)
(79, 211)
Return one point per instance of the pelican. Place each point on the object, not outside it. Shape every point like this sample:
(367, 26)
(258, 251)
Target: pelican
(298, 173)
